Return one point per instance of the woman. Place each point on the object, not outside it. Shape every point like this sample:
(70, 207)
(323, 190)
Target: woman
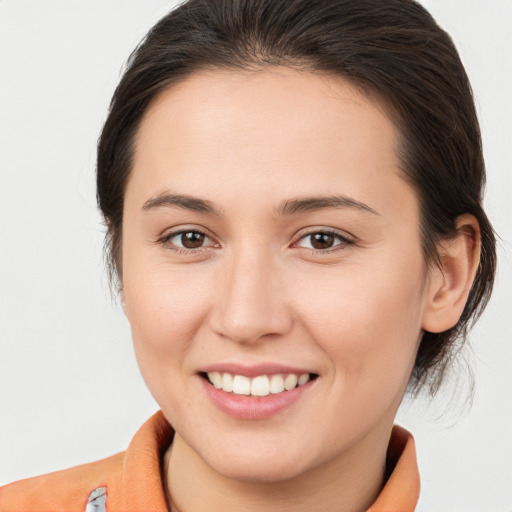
(292, 192)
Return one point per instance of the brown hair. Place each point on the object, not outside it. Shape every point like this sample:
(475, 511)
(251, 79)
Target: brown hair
(392, 50)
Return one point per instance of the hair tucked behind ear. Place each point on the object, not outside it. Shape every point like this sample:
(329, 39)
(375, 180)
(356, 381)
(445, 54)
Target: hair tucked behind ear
(393, 50)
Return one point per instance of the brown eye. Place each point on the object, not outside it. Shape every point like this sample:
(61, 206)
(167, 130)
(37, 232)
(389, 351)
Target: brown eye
(192, 239)
(187, 240)
(322, 240)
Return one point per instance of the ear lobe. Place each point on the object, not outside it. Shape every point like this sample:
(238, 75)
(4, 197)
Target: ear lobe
(451, 280)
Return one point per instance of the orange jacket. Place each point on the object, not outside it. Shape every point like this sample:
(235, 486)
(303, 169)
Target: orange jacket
(131, 481)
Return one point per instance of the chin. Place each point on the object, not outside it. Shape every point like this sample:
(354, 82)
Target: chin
(267, 472)
(263, 465)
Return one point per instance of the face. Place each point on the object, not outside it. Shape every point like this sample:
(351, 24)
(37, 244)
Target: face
(269, 236)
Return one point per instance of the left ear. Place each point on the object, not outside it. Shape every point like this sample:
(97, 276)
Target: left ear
(451, 280)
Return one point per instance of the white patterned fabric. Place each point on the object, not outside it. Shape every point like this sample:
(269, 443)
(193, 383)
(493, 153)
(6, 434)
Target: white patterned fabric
(97, 500)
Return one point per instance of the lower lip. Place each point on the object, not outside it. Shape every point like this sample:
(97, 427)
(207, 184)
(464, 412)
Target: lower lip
(254, 407)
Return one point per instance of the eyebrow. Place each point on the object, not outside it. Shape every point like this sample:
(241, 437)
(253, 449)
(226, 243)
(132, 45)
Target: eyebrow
(310, 204)
(184, 201)
(286, 208)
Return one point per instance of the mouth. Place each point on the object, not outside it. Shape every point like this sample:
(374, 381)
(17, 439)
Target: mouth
(257, 391)
(258, 385)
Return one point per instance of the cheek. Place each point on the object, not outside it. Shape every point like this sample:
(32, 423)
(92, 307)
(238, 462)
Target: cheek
(165, 309)
(368, 322)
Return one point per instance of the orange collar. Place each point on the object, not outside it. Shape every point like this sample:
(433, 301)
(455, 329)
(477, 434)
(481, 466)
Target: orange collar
(402, 489)
(142, 470)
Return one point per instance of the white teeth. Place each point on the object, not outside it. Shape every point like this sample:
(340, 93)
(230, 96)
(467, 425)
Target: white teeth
(303, 379)
(262, 385)
(241, 385)
(290, 382)
(276, 384)
(216, 379)
(227, 382)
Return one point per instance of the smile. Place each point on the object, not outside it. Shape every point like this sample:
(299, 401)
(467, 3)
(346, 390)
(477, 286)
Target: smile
(257, 391)
(260, 385)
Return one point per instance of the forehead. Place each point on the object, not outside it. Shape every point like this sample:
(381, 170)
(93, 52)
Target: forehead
(263, 128)
(279, 97)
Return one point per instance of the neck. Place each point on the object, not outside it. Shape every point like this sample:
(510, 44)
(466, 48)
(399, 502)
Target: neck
(349, 483)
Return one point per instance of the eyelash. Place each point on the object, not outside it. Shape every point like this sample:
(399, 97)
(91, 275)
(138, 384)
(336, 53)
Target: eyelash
(165, 241)
(344, 242)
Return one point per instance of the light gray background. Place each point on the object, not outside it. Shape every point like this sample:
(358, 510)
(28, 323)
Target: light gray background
(70, 390)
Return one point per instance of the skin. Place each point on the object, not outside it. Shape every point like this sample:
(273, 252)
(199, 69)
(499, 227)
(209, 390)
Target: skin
(258, 291)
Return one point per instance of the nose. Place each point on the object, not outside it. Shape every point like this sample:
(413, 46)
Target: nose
(251, 303)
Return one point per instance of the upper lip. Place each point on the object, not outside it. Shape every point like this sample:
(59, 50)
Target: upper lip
(253, 370)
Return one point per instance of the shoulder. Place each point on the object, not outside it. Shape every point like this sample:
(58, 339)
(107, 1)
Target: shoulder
(131, 477)
(62, 490)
